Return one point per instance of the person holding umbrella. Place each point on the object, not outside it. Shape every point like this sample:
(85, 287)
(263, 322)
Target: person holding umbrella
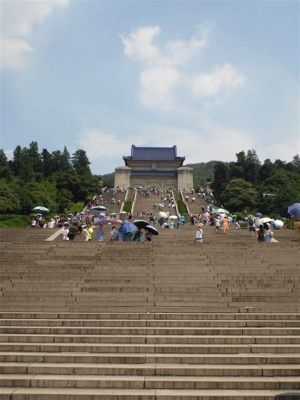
(148, 235)
(138, 235)
(99, 222)
(294, 211)
(126, 230)
(149, 232)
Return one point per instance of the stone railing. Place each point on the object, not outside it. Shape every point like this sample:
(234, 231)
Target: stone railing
(134, 200)
(175, 202)
(124, 201)
(183, 199)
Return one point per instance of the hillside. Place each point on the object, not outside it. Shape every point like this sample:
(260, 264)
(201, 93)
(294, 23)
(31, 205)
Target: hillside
(203, 172)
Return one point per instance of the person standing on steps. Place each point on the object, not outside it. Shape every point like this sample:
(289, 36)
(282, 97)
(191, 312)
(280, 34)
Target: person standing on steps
(261, 233)
(225, 225)
(199, 234)
(218, 224)
(65, 232)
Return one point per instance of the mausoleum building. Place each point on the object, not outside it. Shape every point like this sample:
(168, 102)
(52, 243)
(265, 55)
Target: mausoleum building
(154, 167)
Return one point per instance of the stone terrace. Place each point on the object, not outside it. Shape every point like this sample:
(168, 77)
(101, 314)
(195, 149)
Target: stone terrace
(164, 320)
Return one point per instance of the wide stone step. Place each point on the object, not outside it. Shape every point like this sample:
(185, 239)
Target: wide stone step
(249, 315)
(149, 348)
(165, 339)
(151, 339)
(146, 330)
(150, 369)
(134, 394)
(147, 322)
(140, 358)
(149, 382)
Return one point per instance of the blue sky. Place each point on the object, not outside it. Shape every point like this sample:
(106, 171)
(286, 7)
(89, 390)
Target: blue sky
(212, 77)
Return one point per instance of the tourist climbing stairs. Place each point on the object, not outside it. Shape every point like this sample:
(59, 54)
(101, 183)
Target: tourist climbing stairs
(151, 203)
(113, 201)
(194, 202)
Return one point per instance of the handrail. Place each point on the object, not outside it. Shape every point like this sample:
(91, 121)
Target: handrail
(134, 200)
(175, 202)
(183, 199)
(124, 201)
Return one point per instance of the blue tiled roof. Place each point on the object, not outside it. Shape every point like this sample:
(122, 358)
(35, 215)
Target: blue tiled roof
(153, 154)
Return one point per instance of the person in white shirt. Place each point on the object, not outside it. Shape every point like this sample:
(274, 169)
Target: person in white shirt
(199, 234)
(65, 232)
(51, 224)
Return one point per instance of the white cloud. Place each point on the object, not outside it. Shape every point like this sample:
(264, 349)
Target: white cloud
(13, 52)
(9, 153)
(207, 142)
(19, 19)
(222, 77)
(156, 85)
(139, 45)
(103, 145)
(204, 143)
(163, 68)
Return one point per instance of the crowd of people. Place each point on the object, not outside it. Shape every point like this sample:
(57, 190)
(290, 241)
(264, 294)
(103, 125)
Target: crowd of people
(121, 226)
(121, 229)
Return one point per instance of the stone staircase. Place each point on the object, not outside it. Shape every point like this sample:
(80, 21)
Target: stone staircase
(164, 320)
(113, 207)
(194, 206)
(145, 204)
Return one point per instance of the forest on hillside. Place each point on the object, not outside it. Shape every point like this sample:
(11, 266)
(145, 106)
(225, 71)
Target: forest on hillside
(56, 180)
(60, 181)
(247, 185)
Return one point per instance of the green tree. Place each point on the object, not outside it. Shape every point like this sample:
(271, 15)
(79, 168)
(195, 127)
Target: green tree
(9, 202)
(46, 163)
(35, 157)
(23, 164)
(265, 169)
(221, 177)
(251, 167)
(66, 160)
(5, 171)
(64, 200)
(81, 163)
(239, 195)
(282, 188)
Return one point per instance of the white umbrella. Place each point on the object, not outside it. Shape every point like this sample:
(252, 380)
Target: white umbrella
(173, 217)
(98, 208)
(264, 220)
(40, 209)
(278, 223)
(162, 214)
(152, 229)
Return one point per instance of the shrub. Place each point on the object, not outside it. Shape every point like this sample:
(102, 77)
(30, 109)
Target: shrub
(14, 221)
(127, 206)
(76, 207)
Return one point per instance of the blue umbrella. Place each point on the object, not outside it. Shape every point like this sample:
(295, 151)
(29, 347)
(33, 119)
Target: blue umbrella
(127, 227)
(294, 210)
(101, 220)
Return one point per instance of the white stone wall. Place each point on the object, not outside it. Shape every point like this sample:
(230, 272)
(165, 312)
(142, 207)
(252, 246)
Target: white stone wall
(122, 177)
(185, 179)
